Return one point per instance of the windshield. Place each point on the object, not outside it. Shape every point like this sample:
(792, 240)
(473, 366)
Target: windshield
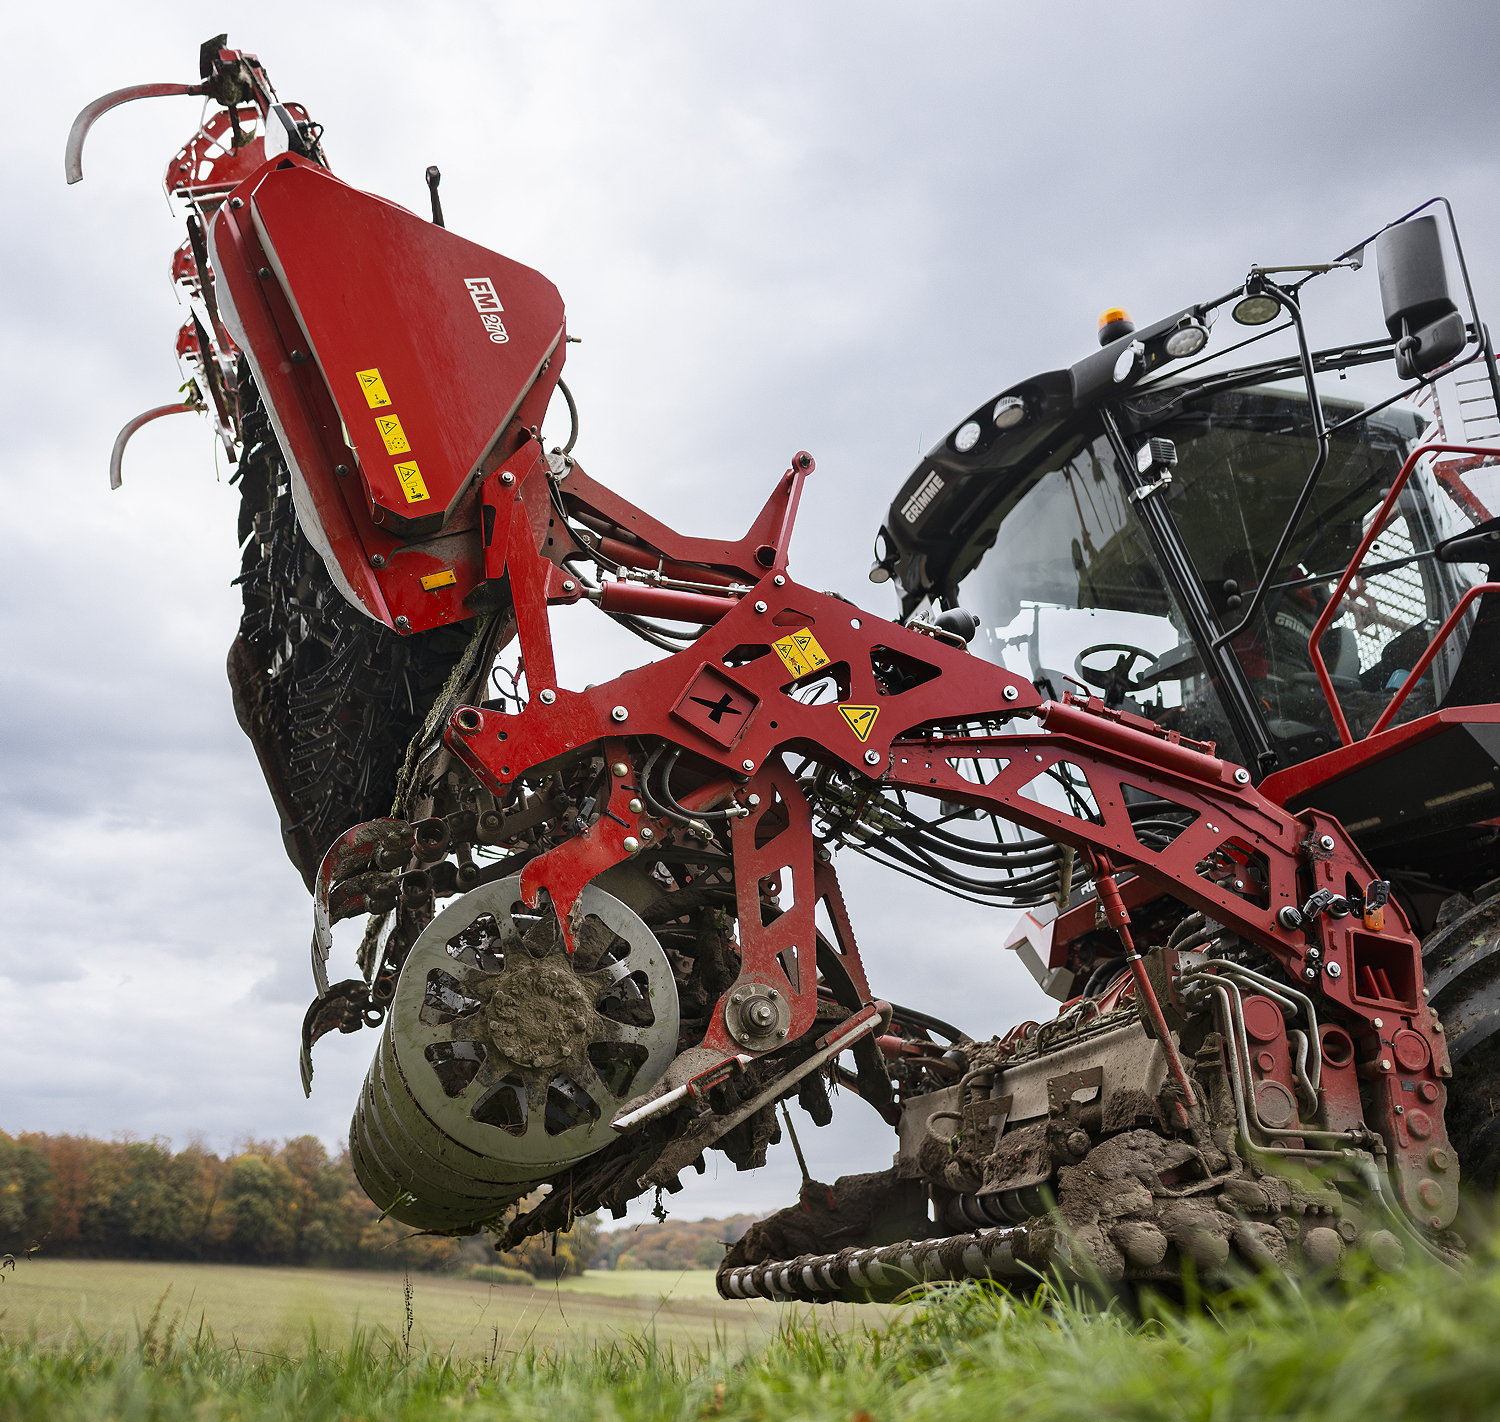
(1070, 591)
(1070, 597)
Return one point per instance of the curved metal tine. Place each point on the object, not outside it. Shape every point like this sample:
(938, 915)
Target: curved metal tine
(117, 454)
(91, 113)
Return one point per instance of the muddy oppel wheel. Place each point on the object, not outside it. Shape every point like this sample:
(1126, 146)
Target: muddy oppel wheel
(504, 1056)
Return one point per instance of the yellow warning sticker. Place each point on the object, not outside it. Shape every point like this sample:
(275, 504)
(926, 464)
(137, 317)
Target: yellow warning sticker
(411, 482)
(861, 719)
(433, 581)
(800, 652)
(373, 387)
(392, 433)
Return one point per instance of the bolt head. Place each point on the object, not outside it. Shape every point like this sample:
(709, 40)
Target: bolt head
(647, 832)
(378, 561)
(630, 844)
(507, 479)
(1010, 693)
(636, 806)
(1242, 776)
(779, 581)
(747, 765)
(620, 769)
(403, 624)
(236, 202)
(1325, 842)
(569, 585)
(760, 607)
(752, 800)
(546, 696)
(1333, 970)
(618, 714)
(872, 757)
(1311, 974)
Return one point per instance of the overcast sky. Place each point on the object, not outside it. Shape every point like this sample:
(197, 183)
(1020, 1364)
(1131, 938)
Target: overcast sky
(831, 226)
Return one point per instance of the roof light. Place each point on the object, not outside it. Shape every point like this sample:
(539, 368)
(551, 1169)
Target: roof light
(1125, 362)
(1010, 411)
(1114, 322)
(1255, 309)
(1189, 337)
(966, 437)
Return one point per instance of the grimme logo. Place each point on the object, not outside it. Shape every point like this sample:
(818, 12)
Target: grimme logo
(487, 303)
(916, 506)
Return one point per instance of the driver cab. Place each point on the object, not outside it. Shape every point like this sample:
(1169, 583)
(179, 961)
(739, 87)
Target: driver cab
(1054, 553)
(1068, 587)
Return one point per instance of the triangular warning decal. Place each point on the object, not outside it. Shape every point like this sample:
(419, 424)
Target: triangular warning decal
(861, 719)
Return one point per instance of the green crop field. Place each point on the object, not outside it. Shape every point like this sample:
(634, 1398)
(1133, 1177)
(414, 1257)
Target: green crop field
(1415, 1345)
(274, 1309)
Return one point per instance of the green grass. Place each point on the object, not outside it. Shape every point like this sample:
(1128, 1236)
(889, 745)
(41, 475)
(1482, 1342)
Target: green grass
(1418, 1345)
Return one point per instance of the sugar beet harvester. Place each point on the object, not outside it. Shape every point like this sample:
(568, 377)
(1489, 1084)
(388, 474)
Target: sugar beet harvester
(1225, 724)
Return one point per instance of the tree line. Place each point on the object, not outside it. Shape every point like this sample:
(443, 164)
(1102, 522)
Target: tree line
(292, 1203)
(671, 1244)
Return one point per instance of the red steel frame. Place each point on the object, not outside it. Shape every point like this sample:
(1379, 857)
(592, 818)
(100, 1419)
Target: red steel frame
(923, 740)
(1330, 611)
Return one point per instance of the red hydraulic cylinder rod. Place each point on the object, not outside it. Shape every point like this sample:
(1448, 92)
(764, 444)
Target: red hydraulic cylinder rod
(1154, 750)
(633, 555)
(671, 603)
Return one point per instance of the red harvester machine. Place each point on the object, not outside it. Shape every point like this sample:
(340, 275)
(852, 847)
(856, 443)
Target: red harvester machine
(1223, 719)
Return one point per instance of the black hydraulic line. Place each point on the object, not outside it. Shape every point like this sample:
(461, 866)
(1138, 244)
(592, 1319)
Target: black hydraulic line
(664, 798)
(968, 898)
(1025, 894)
(927, 1021)
(938, 863)
(572, 416)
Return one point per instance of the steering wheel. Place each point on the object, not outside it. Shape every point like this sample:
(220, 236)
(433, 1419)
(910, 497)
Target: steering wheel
(1116, 679)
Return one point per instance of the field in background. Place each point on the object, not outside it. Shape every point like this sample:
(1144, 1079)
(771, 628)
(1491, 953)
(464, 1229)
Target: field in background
(274, 1308)
(1418, 1344)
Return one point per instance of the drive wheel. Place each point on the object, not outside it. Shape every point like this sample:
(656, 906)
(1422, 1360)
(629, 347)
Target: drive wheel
(505, 1057)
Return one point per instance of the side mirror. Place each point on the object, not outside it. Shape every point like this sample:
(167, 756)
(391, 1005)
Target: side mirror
(1419, 311)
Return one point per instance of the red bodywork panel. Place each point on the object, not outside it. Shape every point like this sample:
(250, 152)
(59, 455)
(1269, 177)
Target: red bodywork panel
(395, 303)
(427, 341)
(1299, 783)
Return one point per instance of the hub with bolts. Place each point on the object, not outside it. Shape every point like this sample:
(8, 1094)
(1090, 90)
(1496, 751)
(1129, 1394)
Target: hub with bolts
(757, 1015)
